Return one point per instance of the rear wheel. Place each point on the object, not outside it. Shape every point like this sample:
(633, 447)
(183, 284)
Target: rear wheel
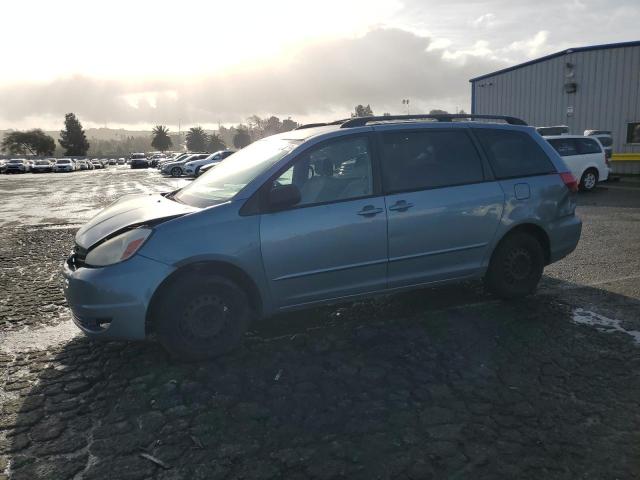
(589, 180)
(202, 317)
(176, 171)
(516, 266)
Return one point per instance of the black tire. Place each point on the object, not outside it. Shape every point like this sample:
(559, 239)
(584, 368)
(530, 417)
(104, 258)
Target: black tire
(589, 180)
(200, 317)
(176, 172)
(196, 174)
(516, 266)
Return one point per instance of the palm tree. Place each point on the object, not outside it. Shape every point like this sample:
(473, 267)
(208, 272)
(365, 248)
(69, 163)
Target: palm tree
(161, 140)
(216, 143)
(196, 139)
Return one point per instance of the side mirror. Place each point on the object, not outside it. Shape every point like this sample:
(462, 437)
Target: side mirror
(284, 196)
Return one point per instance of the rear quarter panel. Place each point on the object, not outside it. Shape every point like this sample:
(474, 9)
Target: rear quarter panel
(549, 202)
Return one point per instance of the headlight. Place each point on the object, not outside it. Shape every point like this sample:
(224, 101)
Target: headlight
(118, 248)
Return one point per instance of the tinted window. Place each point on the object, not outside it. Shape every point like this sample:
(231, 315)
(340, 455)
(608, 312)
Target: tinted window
(586, 145)
(564, 146)
(513, 154)
(428, 159)
(337, 170)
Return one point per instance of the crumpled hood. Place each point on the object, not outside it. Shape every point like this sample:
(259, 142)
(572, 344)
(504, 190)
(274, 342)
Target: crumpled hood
(127, 211)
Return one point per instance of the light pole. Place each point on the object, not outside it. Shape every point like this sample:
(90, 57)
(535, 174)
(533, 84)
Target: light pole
(405, 101)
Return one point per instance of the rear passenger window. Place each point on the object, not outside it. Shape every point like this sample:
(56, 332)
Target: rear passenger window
(564, 146)
(514, 154)
(587, 145)
(428, 159)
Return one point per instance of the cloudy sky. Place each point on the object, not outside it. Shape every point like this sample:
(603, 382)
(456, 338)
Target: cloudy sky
(136, 63)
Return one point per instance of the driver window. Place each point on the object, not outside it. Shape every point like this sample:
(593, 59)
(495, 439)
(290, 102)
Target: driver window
(339, 170)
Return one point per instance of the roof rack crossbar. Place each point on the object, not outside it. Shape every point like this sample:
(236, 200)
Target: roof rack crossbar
(362, 121)
(311, 125)
(322, 124)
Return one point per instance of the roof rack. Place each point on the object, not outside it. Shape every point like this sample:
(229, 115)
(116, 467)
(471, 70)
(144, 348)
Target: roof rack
(362, 121)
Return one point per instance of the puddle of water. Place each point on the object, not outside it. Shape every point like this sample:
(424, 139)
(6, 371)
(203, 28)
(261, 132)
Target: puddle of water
(603, 324)
(38, 338)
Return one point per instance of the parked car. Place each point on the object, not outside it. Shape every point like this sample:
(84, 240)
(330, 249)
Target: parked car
(155, 158)
(82, 164)
(113, 161)
(18, 165)
(192, 167)
(43, 166)
(554, 130)
(139, 160)
(176, 169)
(606, 139)
(96, 163)
(175, 158)
(121, 161)
(283, 226)
(3, 165)
(64, 165)
(585, 158)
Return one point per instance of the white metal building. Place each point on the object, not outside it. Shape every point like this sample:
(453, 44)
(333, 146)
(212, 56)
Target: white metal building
(586, 88)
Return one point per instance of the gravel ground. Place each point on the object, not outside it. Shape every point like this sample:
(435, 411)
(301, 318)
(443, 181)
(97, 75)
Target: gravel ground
(437, 383)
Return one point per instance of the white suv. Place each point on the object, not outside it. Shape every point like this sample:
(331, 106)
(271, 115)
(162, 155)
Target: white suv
(584, 156)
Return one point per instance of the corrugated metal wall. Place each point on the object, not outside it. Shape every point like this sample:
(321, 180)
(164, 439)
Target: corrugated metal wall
(607, 96)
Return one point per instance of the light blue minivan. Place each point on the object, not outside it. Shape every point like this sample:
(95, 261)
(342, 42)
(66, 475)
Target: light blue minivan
(324, 214)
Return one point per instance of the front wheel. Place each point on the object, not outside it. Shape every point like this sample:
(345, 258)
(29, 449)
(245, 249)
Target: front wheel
(516, 266)
(176, 171)
(589, 180)
(202, 317)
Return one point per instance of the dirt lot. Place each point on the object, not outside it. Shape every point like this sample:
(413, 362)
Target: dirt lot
(438, 383)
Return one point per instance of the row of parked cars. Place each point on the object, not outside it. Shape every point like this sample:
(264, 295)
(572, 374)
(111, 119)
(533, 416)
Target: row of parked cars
(191, 164)
(47, 165)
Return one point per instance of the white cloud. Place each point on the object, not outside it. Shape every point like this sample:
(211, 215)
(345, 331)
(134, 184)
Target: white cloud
(533, 46)
(486, 20)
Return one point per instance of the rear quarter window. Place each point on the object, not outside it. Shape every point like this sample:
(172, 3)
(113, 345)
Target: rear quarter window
(513, 154)
(564, 146)
(587, 145)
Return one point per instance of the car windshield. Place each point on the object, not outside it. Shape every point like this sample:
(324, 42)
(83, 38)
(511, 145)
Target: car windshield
(63, 161)
(233, 174)
(16, 161)
(42, 162)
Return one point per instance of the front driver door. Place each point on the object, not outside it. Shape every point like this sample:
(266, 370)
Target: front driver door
(333, 243)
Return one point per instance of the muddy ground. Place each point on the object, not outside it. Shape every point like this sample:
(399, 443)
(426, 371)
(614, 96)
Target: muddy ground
(437, 383)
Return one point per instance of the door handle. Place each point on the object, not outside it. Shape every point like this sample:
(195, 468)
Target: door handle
(369, 211)
(401, 206)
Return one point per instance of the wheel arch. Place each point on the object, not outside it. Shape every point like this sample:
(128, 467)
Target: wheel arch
(206, 267)
(539, 233)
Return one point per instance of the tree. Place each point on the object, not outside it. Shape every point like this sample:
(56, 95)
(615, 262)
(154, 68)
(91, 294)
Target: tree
(196, 139)
(35, 141)
(361, 111)
(216, 143)
(288, 125)
(242, 138)
(72, 138)
(161, 140)
(437, 111)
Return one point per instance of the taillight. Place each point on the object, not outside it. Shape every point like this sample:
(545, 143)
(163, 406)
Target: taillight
(569, 181)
